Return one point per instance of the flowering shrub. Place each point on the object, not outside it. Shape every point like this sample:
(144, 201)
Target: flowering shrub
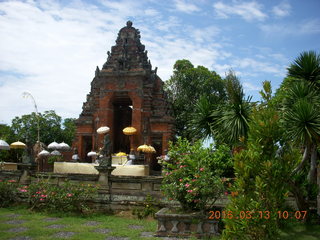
(8, 192)
(68, 197)
(190, 176)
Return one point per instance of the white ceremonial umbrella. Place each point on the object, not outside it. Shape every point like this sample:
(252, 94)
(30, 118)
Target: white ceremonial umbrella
(44, 153)
(64, 146)
(55, 153)
(91, 154)
(103, 130)
(4, 145)
(54, 145)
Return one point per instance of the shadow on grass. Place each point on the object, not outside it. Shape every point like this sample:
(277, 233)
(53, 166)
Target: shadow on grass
(299, 231)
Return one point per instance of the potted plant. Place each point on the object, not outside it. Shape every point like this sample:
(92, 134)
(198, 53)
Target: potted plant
(191, 178)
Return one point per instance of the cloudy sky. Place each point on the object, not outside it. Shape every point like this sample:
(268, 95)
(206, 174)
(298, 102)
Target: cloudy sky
(51, 48)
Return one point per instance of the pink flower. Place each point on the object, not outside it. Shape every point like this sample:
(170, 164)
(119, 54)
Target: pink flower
(193, 180)
(181, 166)
(190, 191)
(201, 169)
(12, 180)
(187, 185)
(43, 196)
(180, 180)
(38, 192)
(69, 194)
(41, 199)
(23, 190)
(226, 193)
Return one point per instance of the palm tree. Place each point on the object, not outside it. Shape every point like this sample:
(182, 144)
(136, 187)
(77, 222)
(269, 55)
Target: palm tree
(232, 121)
(306, 67)
(302, 108)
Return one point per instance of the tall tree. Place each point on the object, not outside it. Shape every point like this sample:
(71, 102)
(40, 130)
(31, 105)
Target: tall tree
(52, 128)
(302, 108)
(185, 88)
(232, 117)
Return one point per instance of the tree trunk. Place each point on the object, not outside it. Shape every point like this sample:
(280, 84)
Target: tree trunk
(302, 204)
(305, 157)
(312, 176)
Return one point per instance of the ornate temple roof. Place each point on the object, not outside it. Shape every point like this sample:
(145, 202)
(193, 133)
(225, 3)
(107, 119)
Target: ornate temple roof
(128, 54)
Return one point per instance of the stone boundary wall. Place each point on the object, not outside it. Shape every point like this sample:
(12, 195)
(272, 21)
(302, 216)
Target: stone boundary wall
(124, 193)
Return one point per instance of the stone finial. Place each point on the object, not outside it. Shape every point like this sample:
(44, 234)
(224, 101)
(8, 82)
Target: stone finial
(129, 24)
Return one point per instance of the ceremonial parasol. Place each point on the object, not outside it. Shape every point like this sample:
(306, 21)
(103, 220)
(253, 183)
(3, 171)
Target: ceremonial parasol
(54, 145)
(4, 145)
(143, 148)
(91, 154)
(129, 131)
(55, 153)
(103, 130)
(64, 146)
(121, 154)
(44, 153)
(18, 145)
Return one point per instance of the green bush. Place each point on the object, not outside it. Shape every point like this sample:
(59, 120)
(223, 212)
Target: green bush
(190, 177)
(67, 197)
(150, 207)
(8, 192)
(262, 171)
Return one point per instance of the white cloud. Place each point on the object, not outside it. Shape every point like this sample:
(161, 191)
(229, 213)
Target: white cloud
(282, 10)
(186, 7)
(248, 86)
(309, 26)
(255, 66)
(247, 10)
(151, 12)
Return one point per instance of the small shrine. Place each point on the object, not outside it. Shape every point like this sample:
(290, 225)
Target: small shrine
(126, 92)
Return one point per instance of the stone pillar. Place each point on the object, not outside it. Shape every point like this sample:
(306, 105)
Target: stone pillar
(104, 174)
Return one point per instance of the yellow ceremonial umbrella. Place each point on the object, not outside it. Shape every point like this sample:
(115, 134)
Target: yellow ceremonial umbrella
(143, 148)
(152, 149)
(129, 131)
(121, 154)
(18, 145)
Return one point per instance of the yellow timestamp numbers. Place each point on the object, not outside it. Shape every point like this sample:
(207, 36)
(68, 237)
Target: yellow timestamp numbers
(257, 215)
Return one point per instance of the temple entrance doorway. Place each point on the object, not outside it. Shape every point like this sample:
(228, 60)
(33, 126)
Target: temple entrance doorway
(87, 146)
(122, 109)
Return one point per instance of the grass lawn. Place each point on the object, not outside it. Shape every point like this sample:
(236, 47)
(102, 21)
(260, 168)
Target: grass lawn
(19, 222)
(15, 222)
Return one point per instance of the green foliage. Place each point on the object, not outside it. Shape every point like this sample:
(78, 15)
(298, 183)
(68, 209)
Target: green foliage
(190, 176)
(25, 129)
(52, 159)
(8, 192)
(232, 117)
(306, 67)
(185, 88)
(260, 170)
(150, 207)
(66, 197)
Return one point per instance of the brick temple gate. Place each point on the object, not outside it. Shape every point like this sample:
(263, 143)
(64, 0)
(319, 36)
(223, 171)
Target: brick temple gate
(125, 92)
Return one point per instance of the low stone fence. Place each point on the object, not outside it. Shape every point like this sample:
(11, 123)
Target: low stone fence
(122, 193)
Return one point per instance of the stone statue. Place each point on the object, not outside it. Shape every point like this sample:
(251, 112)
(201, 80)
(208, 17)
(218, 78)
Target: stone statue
(105, 160)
